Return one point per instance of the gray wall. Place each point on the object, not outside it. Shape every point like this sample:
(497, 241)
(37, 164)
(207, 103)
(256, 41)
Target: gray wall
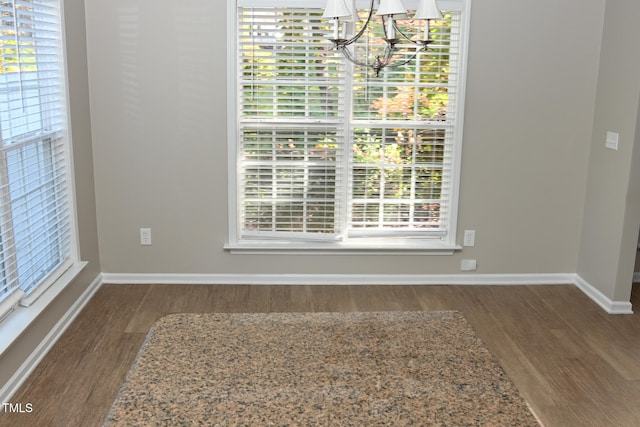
(537, 184)
(83, 156)
(158, 84)
(612, 205)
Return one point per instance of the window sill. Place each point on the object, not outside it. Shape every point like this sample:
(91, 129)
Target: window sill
(399, 247)
(19, 320)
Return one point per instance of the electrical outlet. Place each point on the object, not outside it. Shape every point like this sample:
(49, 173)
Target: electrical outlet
(145, 236)
(469, 238)
(468, 265)
(611, 141)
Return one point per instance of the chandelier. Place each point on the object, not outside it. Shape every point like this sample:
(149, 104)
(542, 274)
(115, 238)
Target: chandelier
(389, 11)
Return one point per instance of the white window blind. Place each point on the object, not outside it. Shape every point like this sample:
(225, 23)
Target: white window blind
(330, 151)
(292, 105)
(35, 214)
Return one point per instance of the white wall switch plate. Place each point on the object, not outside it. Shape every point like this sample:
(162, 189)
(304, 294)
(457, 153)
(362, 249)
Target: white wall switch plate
(469, 238)
(145, 236)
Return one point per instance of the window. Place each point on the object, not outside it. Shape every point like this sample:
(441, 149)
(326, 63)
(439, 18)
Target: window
(37, 243)
(329, 156)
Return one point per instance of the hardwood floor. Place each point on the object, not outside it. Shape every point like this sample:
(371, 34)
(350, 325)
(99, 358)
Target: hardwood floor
(575, 364)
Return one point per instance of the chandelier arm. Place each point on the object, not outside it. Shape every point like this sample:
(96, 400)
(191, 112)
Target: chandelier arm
(405, 62)
(378, 64)
(388, 53)
(351, 58)
(404, 36)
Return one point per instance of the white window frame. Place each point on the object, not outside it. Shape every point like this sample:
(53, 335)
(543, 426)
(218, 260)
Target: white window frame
(397, 245)
(21, 309)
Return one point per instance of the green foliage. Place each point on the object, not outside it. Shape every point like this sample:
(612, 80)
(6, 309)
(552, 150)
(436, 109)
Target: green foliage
(14, 59)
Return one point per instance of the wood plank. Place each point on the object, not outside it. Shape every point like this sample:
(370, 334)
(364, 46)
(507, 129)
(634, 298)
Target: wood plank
(332, 298)
(575, 364)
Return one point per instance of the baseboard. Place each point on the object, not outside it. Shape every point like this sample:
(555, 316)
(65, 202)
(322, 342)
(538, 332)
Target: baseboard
(610, 306)
(340, 279)
(11, 386)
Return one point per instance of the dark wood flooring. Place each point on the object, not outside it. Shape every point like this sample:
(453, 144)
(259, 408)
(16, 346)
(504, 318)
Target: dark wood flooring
(575, 364)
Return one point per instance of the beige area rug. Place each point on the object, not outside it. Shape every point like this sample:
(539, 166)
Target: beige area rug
(317, 369)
